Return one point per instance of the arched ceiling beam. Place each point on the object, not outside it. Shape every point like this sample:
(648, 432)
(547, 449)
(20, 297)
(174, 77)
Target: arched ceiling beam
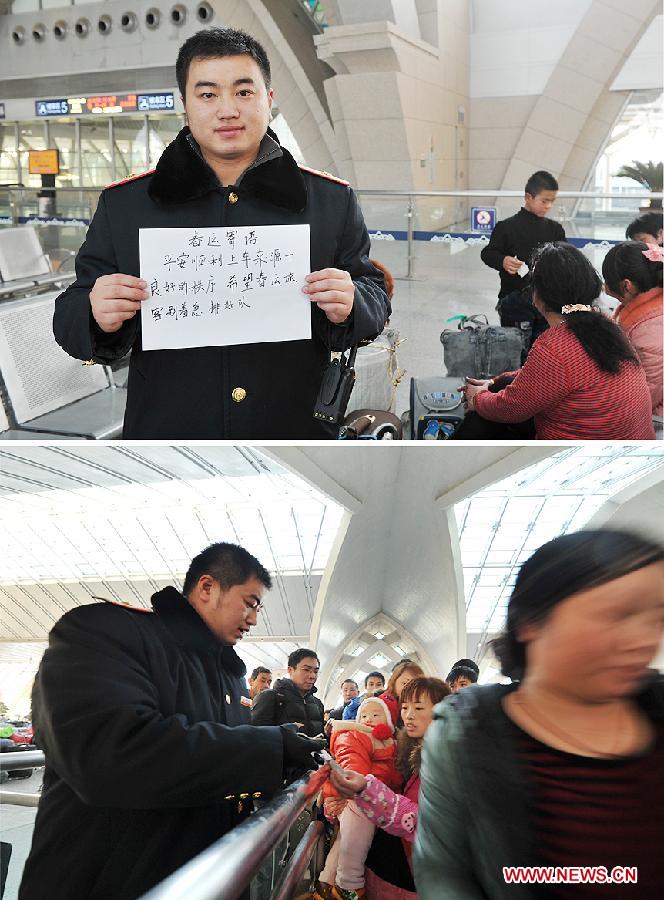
(574, 115)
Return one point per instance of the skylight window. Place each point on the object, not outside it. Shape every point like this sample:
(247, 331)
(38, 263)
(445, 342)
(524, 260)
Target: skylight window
(500, 526)
(378, 661)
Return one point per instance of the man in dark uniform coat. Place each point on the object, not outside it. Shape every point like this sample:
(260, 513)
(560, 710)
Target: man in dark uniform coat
(145, 722)
(226, 168)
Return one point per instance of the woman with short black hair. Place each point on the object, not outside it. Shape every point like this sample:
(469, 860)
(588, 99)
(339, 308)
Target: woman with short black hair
(582, 379)
(565, 766)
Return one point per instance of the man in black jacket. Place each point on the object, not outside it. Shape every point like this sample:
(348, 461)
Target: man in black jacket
(145, 723)
(226, 169)
(292, 699)
(510, 247)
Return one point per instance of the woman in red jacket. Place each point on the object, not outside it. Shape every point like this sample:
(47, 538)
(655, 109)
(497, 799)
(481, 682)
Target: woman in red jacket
(582, 379)
(393, 812)
(633, 274)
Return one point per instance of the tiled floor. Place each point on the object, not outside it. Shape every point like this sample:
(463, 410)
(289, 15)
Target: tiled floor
(449, 280)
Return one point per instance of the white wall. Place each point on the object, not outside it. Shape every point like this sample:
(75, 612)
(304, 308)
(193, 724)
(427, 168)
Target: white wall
(643, 69)
(514, 46)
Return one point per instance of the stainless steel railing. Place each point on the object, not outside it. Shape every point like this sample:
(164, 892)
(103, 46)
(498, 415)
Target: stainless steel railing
(225, 870)
(29, 759)
(412, 196)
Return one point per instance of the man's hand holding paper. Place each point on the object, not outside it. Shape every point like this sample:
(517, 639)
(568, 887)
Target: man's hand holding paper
(116, 298)
(216, 287)
(333, 291)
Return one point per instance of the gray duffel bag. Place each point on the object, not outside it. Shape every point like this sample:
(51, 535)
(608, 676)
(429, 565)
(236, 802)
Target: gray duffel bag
(478, 350)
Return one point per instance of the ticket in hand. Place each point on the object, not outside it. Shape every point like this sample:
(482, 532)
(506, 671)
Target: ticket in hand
(523, 271)
(333, 764)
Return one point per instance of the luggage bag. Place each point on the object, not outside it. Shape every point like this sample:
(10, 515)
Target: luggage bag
(478, 350)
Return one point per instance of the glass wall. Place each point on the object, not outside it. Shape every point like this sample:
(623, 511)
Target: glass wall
(94, 150)
(163, 130)
(8, 154)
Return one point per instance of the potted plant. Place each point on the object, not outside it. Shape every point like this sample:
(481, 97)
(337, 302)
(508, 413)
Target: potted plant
(649, 175)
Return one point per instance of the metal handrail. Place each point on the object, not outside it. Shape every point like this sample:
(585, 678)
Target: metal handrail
(226, 868)
(488, 192)
(590, 195)
(17, 798)
(28, 759)
(298, 862)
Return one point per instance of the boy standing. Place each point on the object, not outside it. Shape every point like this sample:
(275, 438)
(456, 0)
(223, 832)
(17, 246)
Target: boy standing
(512, 242)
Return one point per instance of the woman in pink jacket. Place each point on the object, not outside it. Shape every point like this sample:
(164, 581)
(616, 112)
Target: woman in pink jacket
(396, 813)
(633, 274)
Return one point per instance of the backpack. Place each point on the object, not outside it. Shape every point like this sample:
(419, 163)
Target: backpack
(516, 310)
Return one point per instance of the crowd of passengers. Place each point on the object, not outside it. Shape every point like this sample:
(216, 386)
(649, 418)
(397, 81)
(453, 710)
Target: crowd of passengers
(552, 769)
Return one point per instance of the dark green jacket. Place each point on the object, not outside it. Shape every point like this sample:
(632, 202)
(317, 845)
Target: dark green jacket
(475, 814)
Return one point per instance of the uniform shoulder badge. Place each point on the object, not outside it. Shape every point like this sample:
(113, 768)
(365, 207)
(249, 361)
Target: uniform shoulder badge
(246, 701)
(125, 605)
(130, 178)
(323, 174)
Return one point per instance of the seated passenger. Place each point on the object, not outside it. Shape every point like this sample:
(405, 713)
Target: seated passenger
(366, 746)
(563, 767)
(633, 274)
(646, 228)
(582, 379)
(397, 813)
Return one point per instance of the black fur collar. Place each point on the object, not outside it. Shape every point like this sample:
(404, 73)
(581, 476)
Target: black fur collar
(182, 175)
(188, 629)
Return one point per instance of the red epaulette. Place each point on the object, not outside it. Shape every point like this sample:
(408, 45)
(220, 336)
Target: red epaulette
(131, 178)
(128, 606)
(322, 174)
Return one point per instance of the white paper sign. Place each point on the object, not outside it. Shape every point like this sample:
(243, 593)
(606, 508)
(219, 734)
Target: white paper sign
(212, 287)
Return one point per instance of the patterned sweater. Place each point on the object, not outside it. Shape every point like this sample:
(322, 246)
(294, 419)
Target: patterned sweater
(394, 813)
(570, 396)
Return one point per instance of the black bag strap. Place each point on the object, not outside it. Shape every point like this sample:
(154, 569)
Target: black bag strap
(351, 349)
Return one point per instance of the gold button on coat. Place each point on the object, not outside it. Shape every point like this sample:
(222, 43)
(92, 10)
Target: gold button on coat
(238, 394)
(233, 197)
(228, 698)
